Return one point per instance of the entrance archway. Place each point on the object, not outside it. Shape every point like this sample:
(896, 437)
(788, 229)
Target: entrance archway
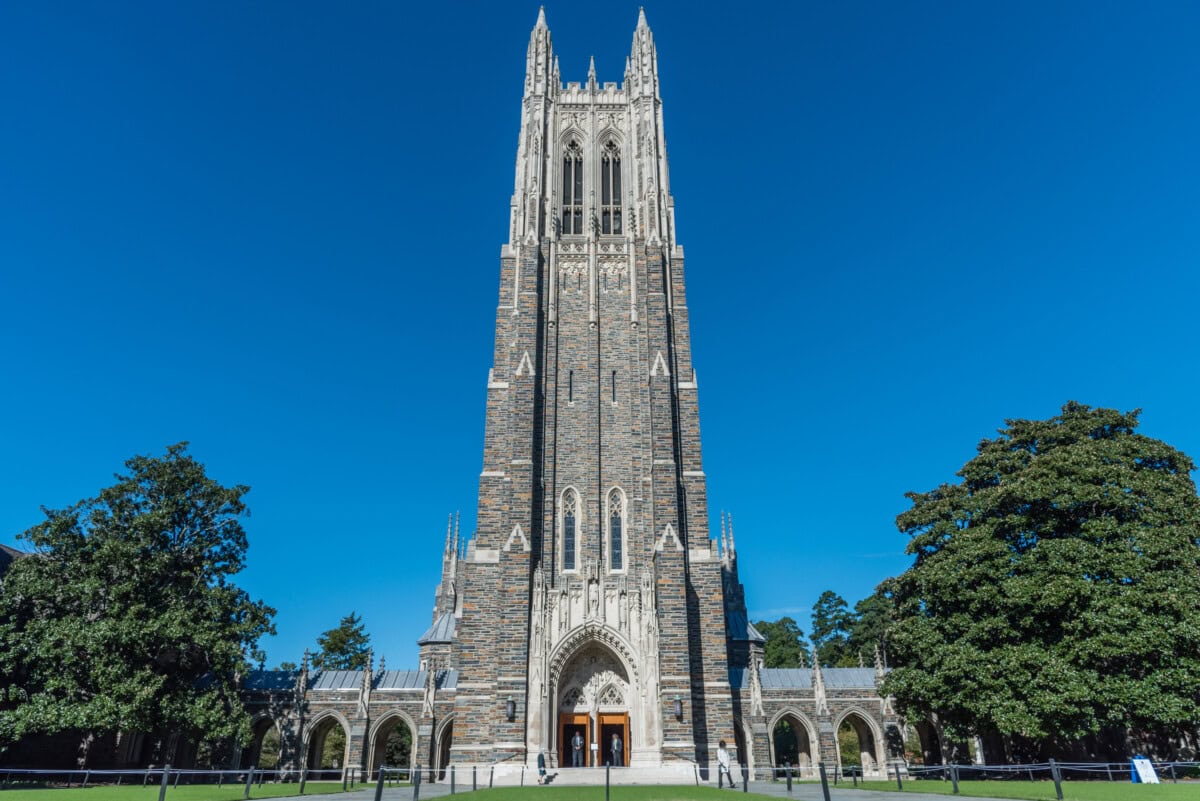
(263, 750)
(328, 743)
(592, 704)
(857, 743)
(791, 743)
(392, 738)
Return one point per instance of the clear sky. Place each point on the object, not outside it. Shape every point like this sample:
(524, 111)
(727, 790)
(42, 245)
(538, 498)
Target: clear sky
(273, 229)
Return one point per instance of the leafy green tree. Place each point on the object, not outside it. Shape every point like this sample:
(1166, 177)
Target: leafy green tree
(785, 646)
(831, 624)
(344, 647)
(869, 625)
(1055, 591)
(126, 618)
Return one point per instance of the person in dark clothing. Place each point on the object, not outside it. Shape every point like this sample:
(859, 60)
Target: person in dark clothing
(617, 750)
(541, 768)
(577, 750)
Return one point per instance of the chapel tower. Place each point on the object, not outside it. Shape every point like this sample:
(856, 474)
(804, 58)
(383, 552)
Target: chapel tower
(591, 595)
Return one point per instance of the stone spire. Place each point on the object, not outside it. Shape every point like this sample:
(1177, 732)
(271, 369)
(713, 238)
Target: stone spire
(445, 594)
(591, 82)
(880, 670)
(539, 57)
(732, 544)
(822, 703)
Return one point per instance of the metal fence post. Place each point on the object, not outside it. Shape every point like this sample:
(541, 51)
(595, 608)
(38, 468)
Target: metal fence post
(899, 786)
(824, 782)
(474, 778)
(787, 766)
(451, 780)
(162, 788)
(303, 779)
(1057, 776)
(249, 781)
(491, 777)
(416, 785)
(954, 777)
(745, 780)
(379, 784)
(607, 770)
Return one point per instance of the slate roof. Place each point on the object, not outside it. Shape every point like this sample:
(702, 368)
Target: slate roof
(742, 629)
(801, 678)
(393, 680)
(442, 630)
(270, 680)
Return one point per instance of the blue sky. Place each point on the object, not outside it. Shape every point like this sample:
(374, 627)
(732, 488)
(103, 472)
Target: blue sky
(273, 228)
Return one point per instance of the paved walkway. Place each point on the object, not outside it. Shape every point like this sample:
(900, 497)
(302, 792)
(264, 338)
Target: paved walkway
(807, 791)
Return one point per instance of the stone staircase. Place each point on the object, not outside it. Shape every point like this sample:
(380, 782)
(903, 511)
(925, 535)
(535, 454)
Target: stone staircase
(512, 775)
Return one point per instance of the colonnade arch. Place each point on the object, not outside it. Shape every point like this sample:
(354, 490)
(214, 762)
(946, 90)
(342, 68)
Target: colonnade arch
(855, 727)
(265, 744)
(322, 736)
(793, 739)
(392, 738)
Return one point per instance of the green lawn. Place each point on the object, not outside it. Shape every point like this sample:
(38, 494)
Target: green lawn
(194, 792)
(1044, 790)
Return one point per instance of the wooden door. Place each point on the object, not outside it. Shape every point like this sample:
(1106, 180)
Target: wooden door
(611, 723)
(568, 724)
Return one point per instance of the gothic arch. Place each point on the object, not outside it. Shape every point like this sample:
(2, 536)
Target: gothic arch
(619, 494)
(443, 739)
(560, 531)
(807, 726)
(580, 638)
(383, 725)
(875, 753)
(260, 725)
(315, 732)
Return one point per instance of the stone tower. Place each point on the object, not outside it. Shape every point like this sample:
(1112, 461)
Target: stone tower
(591, 595)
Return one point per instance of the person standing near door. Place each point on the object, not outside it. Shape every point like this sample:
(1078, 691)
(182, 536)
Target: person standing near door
(617, 751)
(577, 750)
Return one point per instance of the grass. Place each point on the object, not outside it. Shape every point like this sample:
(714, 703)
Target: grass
(636, 792)
(1044, 790)
(192, 792)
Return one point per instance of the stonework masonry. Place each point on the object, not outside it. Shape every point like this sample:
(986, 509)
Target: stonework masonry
(592, 597)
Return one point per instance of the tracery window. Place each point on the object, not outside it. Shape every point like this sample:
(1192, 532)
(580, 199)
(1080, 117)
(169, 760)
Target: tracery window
(616, 530)
(611, 696)
(610, 189)
(570, 521)
(572, 189)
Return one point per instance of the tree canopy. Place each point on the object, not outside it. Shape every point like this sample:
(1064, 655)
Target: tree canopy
(785, 646)
(344, 647)
(831, 625)
(125, 617)
(1055, 590)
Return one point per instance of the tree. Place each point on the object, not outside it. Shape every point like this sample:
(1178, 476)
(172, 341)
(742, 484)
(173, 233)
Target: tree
(869, 625)
(831, 623)
(344, 647)
(125, 618)
(785, 646)
(1055, 590)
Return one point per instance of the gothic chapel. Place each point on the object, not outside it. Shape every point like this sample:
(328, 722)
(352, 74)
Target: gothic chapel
(592, 597)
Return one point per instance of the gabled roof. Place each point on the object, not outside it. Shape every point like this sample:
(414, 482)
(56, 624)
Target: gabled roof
(336, 680)
(442, 630)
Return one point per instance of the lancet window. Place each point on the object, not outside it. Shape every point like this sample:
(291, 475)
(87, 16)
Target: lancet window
(572, 189)
(616, 530)
(570, 524)
(610, 189)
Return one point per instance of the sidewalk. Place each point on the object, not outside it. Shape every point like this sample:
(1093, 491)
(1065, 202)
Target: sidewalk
(801, 792)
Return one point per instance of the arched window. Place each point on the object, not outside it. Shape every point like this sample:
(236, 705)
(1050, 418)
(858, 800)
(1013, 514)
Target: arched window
(570, 527)
(610, 189)
(616, 530)
(572, 189)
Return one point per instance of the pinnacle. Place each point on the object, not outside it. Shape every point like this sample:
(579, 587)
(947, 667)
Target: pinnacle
(541, 20)
(642, 17)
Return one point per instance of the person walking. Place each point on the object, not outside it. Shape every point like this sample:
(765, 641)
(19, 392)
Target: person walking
(577, 750)
(723, 765)
(617, 751)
